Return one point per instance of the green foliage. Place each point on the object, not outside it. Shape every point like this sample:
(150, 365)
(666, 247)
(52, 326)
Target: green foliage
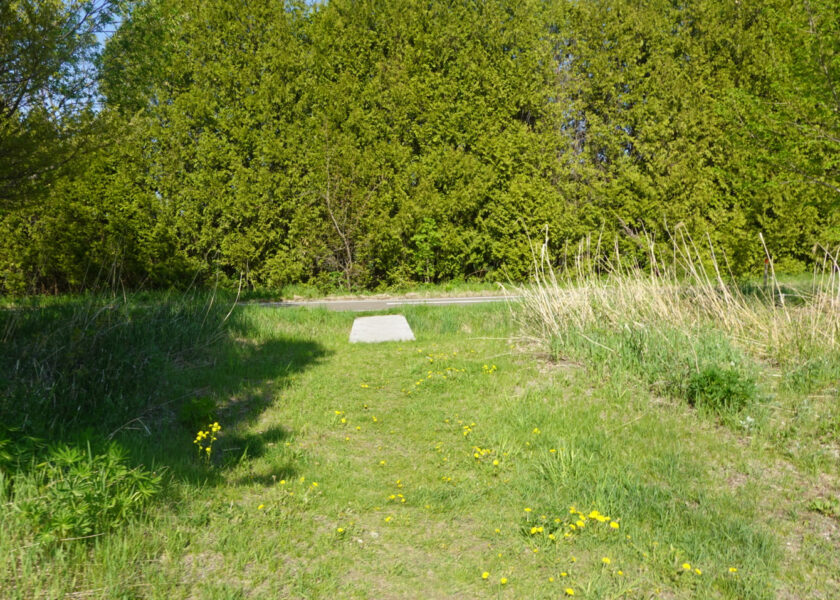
(720, 390)
(359, 144)
(197, 411)
(829, 507)
(48, 54)
(74, 493)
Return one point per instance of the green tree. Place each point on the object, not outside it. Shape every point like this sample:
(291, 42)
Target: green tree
(48, 51)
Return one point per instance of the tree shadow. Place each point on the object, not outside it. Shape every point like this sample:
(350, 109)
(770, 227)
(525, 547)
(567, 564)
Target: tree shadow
(147, 375)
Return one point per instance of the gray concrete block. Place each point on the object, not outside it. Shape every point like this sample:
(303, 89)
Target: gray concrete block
(388, 328)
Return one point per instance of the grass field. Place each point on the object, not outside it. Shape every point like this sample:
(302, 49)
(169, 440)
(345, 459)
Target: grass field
(467, 464)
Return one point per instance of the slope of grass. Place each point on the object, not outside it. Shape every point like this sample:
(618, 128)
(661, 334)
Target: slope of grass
(411, 470)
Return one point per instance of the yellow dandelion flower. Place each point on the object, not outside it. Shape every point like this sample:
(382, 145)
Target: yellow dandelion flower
(498, 530)
(496, 463)
(606, 560)
(614, 525)
(686, 566)
(527, 510)
(387, 519)
(733, 569)
(698, 571)
(485, 575)
(620, 572)
(551, 579)
(261, 506)
(564, 574)
(570, 592)
(503, 580)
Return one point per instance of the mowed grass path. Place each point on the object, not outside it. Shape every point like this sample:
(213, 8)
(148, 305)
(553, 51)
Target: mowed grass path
(411, 470)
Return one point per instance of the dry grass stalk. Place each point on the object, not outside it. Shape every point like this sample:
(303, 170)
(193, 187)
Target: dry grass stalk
(601, 290)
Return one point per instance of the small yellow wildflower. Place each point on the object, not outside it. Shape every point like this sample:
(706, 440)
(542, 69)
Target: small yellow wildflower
(527, 510)
(570, 592)
(614, 525)
(564, 574)
(620, 572)
(503, 580)
(606, 560)
(551, 579)
(496, 463)
(485, 575)
(387, 519)
(261, 506)
(340, 530)
(733, 569)
(686, 566)
(698, 571)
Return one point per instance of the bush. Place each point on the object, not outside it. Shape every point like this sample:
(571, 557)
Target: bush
(720, 390)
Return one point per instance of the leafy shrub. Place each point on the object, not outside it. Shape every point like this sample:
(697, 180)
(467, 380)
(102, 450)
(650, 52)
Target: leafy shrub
(74, 493)
(720, 390)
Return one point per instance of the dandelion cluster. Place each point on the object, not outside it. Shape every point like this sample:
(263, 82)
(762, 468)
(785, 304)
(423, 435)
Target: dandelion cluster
(204, 439)
(488, 370)
(481, 453)
(575, 522)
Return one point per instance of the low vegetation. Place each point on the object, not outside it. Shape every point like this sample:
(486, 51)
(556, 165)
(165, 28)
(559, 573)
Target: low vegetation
(581, 458)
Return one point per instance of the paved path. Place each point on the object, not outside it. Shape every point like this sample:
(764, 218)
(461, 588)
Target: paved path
(374, 304)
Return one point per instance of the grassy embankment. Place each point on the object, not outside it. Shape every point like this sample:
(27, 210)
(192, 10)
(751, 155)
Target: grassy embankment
(411, 470)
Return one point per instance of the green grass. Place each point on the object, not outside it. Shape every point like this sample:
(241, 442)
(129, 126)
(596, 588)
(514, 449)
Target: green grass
(375, 424)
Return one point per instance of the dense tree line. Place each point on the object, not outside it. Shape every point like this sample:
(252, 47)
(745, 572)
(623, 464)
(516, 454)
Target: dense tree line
(366, 142)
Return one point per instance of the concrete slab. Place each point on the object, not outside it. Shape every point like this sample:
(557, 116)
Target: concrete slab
(388, 328)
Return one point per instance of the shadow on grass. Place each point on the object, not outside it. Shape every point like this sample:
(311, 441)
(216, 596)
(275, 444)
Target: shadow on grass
(147, 375)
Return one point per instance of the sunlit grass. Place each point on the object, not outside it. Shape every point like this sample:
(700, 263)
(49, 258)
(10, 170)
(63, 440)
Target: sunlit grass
(459, 465)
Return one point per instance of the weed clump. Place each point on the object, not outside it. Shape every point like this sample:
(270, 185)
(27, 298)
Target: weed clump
(720, 390)
(62, 492)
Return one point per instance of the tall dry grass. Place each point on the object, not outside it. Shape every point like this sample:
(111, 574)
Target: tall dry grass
(680, 288)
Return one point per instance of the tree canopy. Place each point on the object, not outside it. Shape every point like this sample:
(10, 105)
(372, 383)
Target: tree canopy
(365, 142)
